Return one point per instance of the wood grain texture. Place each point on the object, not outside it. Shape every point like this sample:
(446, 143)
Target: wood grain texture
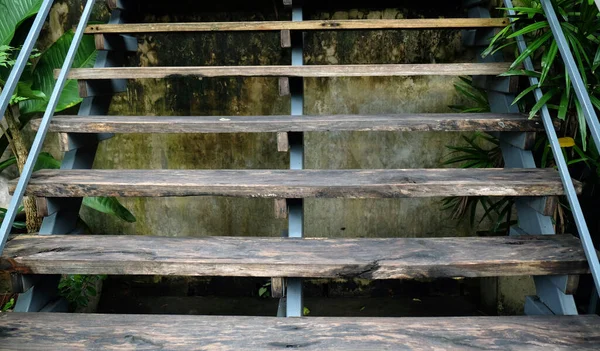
(290, 184)
(417, 23)
(315, 71)
(398, 258)
(41, 331)
(489, 122)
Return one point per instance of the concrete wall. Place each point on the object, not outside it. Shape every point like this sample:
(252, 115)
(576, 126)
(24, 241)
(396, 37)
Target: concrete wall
(255, 96)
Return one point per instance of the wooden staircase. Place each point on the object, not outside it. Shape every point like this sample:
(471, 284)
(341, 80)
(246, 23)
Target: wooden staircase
(37, 260)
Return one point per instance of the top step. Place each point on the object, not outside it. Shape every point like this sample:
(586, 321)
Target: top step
(309, 71)
(433, 23)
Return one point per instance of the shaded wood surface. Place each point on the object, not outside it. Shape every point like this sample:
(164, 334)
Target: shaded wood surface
(398, 258)
(252, 124)
(417, 23)
(40, 331)
(388, 183)
(315, 71)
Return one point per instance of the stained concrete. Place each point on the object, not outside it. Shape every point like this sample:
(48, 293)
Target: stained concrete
(256, 96)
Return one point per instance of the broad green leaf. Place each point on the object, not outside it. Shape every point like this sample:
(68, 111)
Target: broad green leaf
(564, 106)
(596, 63)
(109, 205)
(530, 28)
(541, 102)
(582, 124)
(44, 161)
(547, 61)
(12, 14)
(520, 72)
(43, 74)
(24, 92)
(531, 49)
(523, 93)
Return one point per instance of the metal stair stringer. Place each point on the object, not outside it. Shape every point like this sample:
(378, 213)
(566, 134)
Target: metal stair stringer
(40, 293)
(554, 293)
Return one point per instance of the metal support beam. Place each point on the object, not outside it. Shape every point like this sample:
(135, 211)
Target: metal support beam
(294, 307)
(549, 296)
(584, 233)
(63, 213)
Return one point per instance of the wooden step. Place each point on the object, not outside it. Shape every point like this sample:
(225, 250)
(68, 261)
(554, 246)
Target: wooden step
(398, 258)
(417, 23)
(390, 183)
(316, 71)
(51, 331)
(255, 124)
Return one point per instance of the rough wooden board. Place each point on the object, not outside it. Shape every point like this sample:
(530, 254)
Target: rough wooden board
(40, 331)
(418, 23)
(283, 142)
(290, 184)
(383, 70)
(281, 209)
(401, 258)
(488, 122)
(286, 39)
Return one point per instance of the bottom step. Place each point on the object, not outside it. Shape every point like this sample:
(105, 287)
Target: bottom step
(45, 331)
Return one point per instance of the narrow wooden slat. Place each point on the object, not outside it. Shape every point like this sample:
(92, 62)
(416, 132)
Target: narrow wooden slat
(488, 122)
(418, 23)
(50, 331)
(315, 71)
(403, 258)
(289, 184)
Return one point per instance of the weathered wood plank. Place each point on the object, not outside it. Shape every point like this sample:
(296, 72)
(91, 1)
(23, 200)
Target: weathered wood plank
(417, 23)
(46, 331)
(398, 258)
(289, 184)
(315, 71)
(488, 122)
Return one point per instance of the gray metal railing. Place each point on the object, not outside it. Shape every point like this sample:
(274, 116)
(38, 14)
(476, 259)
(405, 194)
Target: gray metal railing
(591, 117)
(48, 114)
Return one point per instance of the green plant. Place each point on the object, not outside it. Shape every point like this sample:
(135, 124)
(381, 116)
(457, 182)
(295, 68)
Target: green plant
(476, 97)
(79, 289)
(265, 290)
(305, 311)
(108, 205)
(580, 21)
(8, 305)
(481, 151)
(30, 98)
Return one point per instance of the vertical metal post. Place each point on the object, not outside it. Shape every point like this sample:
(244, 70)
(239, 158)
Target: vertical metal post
(551, 291)
(294, 307)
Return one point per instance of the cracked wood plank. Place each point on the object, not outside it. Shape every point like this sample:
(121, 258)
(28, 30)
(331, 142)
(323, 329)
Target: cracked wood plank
(315, 71)
(488, 122)
(414, 23)
(293, 184)
(57, 331)
(398, 258)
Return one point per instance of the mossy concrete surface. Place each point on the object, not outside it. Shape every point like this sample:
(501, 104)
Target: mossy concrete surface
(259, 96)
